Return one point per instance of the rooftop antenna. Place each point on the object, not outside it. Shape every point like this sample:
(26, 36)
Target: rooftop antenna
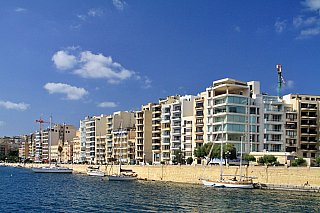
(280, 79)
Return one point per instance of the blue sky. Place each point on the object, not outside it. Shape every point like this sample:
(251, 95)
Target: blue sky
(72, 59)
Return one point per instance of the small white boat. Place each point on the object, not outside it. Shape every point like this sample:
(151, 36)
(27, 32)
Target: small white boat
(122, 177)
(244, 184)
(95, 172)
(51, 169)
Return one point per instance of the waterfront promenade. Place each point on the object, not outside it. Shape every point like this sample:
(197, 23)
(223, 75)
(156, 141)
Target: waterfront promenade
(291, 176)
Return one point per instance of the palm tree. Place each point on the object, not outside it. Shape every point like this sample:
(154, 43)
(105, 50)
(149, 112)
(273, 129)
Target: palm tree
(60, 150)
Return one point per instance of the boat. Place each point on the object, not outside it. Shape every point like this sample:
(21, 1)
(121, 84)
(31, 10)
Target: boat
(243, 182)
(95, 171)
(51, 169)
(123, 174)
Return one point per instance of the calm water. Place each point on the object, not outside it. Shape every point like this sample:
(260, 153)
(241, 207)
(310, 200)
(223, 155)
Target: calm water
(21, 190)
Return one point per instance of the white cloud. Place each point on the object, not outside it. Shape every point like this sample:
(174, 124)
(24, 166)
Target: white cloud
(300, 22)
(280, 25)
(290, 84)
(72, 92)
(313, 5)
(107, 104)
(89, 65)
(237, 29)
(11, 105)
(120, 5)
(2, 123)
(19, 9)
(99, 66)
(82, 17)
(95, 12)
(309, 32)
(64, 61)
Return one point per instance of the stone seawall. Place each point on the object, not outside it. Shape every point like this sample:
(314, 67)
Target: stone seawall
(296, 176)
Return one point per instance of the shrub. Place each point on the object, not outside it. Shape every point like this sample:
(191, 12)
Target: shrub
(189, 160)
(317, 160)
(299, 160)
(162, 162)
(294, 163)
(248, 157)
(267, 159)
(150, 162)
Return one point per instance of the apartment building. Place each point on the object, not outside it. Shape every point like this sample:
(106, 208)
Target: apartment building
(256, 119)
(144, 130)
(120, 136)
(171, 128)
(304, 125)
(27, 149)
(92, 132)
(77, 148)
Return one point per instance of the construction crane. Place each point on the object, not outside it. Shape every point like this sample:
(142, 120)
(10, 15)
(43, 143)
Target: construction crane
(42, 121)
(280, 79)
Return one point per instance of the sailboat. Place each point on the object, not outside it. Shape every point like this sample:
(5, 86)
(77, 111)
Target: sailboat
(51, 169)
(244, 182)
(95, 171)
(123, 174)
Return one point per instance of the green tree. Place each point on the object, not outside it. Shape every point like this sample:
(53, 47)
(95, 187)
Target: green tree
(299, 161)
(60, 151)
(189, 160)
(179, 157)
(317, 160)
(267, 159)
(229, 151)
(248, 157)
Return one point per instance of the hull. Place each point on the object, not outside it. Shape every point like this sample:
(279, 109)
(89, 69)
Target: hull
(228, 184)
(95, 173)
(51, 169)
(122, 177)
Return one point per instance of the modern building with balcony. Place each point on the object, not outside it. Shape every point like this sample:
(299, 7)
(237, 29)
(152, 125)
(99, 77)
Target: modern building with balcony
(248, 116)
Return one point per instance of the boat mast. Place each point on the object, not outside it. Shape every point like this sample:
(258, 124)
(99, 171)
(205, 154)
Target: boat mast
(120, 148)
(241, 157)
(49, 142)
(221, 154)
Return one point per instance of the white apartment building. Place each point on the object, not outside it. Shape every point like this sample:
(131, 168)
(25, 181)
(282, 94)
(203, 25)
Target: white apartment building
(94, 129)
(256, 119)
(172, 133)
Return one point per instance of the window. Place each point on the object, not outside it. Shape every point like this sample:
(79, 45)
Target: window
(304, 154)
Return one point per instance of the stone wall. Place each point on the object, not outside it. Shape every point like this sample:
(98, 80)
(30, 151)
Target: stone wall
(191, 174)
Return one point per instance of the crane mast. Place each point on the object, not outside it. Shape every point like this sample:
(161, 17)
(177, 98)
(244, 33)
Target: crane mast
(280, 79)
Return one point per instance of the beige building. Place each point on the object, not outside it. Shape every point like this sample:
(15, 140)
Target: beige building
(303, 132)
(144, 130)
(76, 148)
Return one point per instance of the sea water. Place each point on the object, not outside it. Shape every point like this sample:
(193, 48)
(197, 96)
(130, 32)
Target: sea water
(21, 190)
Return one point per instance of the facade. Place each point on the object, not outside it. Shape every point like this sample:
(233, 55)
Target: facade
(92, 130)
(60, 133)
(143, 140)
(120, 133)
(256, 119)
(304, 124)
(77, 148)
